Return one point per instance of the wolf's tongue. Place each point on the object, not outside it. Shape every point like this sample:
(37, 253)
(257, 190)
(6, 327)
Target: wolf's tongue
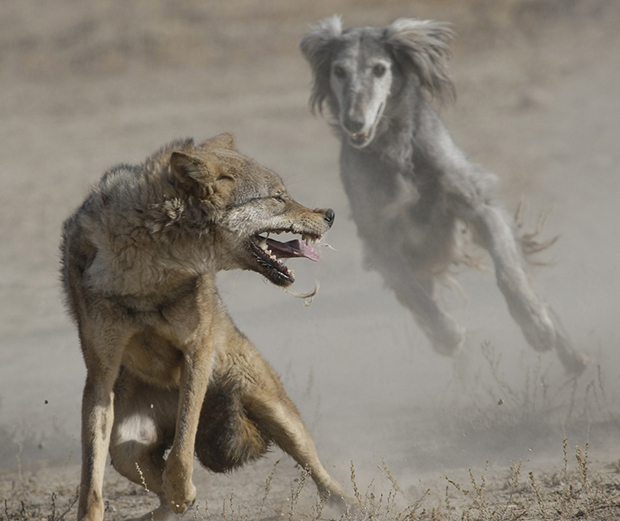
(294, 248)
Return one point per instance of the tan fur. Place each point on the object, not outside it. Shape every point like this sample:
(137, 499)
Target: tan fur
(166, 367)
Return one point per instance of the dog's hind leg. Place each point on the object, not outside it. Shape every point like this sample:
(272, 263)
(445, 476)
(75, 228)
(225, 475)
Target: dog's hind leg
(143, 430)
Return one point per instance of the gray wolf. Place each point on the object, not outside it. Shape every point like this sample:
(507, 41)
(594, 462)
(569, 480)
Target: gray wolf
(408, 183)
(167, 370)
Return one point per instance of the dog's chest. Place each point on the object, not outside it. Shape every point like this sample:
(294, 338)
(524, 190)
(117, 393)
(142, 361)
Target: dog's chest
(378, 194)
(392, 210)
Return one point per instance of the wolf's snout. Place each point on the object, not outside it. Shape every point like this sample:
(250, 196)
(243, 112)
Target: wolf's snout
(329, 216)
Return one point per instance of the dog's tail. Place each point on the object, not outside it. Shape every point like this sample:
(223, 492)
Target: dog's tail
(227, 438)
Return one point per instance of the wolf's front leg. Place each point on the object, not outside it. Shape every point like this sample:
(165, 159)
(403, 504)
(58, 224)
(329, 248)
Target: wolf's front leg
(177, 479)
(97, 418)
(102, 354)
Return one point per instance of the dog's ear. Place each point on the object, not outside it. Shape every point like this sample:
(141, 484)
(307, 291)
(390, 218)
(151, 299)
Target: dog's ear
(422, 47)
(317, 47)
(224, 140)
(202, 176)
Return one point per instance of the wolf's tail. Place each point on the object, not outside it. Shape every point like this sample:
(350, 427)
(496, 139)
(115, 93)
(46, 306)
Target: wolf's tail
(227, 438)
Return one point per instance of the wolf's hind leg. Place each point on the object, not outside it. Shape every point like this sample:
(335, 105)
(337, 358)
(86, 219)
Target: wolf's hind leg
(142, 432)
(278, 418)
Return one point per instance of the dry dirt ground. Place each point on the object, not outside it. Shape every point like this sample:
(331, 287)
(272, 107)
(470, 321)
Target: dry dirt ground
(498, 433)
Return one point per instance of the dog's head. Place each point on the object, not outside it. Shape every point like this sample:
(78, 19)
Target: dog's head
(357, 70)
(241, 203)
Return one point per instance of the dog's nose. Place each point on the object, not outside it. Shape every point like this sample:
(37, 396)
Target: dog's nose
(354, 123)
(329, 216)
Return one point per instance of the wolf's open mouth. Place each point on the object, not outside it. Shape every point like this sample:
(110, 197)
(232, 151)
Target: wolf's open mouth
(270, 254)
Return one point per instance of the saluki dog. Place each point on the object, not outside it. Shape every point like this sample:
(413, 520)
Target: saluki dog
(408, 183)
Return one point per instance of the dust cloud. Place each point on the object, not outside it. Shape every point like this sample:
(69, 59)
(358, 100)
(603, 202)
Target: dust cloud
(91, 85)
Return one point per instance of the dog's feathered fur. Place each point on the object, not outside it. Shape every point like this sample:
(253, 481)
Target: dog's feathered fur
(408, 184)
(167, 370)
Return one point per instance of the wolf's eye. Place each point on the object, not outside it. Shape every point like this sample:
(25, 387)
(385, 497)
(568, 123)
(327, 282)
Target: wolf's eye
(339, 71)
(279, 198)
(378, 70)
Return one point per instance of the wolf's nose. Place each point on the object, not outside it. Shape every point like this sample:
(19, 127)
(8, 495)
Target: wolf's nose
(329, 217)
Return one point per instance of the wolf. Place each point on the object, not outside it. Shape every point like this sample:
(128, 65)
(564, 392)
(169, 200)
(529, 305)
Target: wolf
(167, 370)
(410, 188)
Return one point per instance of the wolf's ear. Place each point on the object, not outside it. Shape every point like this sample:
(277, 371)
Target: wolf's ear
(422, 47)
(224, 140)
(201, 176)
(318, 47)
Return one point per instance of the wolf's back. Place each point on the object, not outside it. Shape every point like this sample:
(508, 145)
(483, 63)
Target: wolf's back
(77, 249)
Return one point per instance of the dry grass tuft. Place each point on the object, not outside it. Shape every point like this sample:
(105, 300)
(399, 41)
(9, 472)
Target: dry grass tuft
(568, 491)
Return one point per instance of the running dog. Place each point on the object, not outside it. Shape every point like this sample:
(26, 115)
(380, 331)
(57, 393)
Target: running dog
(167, 370)
(409, 185)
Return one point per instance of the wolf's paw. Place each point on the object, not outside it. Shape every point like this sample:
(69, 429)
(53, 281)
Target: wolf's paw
(163, 512)
(178, 487)
(344, 505)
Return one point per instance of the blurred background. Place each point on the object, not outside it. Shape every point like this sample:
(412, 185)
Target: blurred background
(87, 85)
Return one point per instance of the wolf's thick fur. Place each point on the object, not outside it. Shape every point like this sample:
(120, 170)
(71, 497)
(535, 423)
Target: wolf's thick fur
(166, 367)
(409, 184)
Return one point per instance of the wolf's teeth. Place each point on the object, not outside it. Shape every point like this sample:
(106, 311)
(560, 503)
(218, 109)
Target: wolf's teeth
(263, 244)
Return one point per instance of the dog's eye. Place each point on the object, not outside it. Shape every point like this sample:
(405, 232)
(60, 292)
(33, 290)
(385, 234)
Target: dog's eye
(339, 71)
(378, 70)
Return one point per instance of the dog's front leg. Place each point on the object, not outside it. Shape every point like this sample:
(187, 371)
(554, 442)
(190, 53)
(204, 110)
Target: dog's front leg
(445, 335)
(541, 328)
(531, 314)
(178, 487)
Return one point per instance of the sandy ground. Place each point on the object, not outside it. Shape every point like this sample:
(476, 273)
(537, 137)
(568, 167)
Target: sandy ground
(87, 86)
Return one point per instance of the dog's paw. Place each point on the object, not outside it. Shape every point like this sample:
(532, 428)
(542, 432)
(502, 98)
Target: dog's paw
(573, 360)
(178, 487)
(449, 340)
